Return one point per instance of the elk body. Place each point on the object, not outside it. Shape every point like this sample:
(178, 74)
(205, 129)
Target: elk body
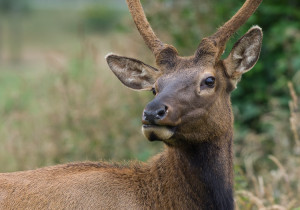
(191, 113)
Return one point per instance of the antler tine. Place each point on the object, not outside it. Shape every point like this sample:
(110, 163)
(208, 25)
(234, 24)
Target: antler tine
(231, 26)
(144, 27)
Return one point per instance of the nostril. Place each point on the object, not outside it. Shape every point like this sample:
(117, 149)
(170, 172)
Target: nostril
(152, 116)
(161, 112)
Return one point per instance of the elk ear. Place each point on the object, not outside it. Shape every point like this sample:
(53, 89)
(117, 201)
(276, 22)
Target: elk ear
(244, 53)
(133, 73)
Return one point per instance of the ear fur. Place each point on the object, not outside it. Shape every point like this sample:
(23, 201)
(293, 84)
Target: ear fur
(133, 73)
(244, 53)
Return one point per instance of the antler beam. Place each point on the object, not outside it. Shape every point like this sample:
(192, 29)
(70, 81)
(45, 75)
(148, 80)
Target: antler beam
(144, 27)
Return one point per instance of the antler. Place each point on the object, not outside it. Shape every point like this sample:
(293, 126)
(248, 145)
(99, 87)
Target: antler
(230, 27)
(217, 40)
(142, 24)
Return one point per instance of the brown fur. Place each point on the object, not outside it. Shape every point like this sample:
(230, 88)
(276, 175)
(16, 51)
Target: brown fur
(192, 118)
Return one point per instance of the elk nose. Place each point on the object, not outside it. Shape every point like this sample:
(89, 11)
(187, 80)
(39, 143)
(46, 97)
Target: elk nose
(152, 116)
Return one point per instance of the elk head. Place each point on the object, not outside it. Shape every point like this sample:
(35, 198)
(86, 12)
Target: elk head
(192, 94)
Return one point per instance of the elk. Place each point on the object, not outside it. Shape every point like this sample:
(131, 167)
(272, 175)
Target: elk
(191, 114)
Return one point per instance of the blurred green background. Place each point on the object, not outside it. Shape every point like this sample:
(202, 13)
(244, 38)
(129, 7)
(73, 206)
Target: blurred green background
(59, 102)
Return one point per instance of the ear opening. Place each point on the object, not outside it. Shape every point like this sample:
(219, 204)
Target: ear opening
(244, 53)
(133, 73)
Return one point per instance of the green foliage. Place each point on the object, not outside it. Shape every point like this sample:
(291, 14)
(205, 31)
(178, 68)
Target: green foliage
(278, 63)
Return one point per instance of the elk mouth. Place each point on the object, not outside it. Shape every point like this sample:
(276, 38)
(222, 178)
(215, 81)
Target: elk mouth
(158, 132)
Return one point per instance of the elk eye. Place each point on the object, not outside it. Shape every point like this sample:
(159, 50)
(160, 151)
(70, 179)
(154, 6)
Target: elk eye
(210, 82)
(153, 91)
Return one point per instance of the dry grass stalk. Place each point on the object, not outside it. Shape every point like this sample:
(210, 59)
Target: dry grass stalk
(282, 170)
(295, 114)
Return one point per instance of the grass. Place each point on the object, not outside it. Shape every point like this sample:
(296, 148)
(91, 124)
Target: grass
(69, 113)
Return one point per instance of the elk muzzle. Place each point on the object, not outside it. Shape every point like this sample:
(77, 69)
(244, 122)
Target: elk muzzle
(155, 116)
(157, 121)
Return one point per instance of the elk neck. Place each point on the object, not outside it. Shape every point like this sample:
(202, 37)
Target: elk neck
(203, 172)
